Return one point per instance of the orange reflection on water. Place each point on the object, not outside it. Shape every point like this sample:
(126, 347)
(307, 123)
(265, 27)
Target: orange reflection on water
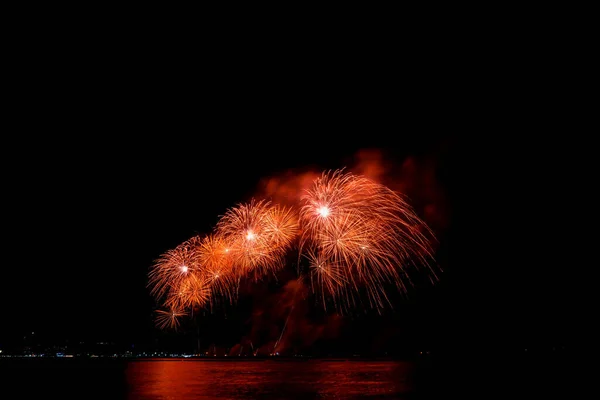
(200, 379)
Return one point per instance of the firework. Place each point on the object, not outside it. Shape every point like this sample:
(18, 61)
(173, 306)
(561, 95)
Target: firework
(173, 266)
(258, 234)
(360, 236)
(191, 292)
(326, 275)
(169, 319)
(216, 264)
(280, 228)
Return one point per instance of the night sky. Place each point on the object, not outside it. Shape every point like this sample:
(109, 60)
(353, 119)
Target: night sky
(86, 220)
(94, 192)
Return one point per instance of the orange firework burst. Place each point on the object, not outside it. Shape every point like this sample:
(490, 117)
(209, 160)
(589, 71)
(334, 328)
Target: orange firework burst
(169, 318)
(172, 267)
(259, 234)
(280, 228)
(216, 264)
(184, 279)
(359, 235)
(192, 291)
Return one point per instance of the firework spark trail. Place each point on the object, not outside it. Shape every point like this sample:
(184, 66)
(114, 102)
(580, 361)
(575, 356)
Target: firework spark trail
(243, 226)
(260, 234)
(287, 318)
(216, 263)
(370, 232)
(282, 330)
(168, 319)
(281, 227)
(193, 291)
(172, 267)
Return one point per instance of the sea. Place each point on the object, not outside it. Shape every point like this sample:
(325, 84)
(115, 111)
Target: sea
(189, 378)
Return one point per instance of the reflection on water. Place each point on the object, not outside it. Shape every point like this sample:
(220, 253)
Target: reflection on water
(188, 379)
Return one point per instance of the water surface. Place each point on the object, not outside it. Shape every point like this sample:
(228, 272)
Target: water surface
(269, 379)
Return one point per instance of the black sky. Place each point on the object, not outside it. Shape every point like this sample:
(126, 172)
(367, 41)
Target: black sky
(86, 221)
(105, 172)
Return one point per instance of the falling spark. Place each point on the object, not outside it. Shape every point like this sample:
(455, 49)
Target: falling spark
(168, 319)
